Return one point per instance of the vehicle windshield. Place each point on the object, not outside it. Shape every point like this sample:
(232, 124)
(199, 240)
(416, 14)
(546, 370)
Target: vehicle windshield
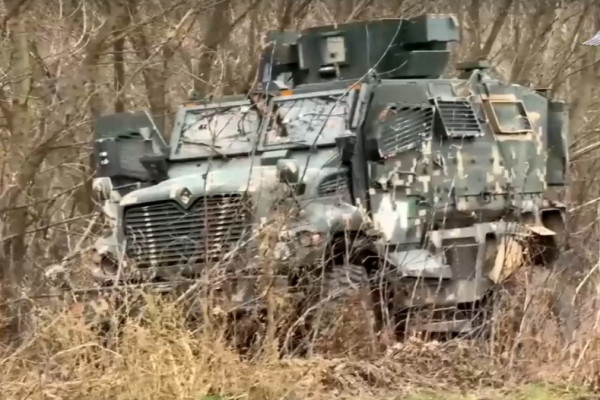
(218, 131)
(302, 122)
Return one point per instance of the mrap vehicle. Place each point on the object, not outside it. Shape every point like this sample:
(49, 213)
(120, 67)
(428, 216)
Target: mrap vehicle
(386, 166)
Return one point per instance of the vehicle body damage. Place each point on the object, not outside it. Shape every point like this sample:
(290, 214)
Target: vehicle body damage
(444, 182)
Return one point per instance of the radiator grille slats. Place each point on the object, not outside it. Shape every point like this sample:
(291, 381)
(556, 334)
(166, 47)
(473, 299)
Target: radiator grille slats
(166, 225)
(333, 184)
(406, 128)
(458, 118)
(189, 235)
(165, 234)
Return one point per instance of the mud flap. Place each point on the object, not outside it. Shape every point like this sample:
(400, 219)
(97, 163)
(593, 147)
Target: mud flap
(509, 258)
(510, 254)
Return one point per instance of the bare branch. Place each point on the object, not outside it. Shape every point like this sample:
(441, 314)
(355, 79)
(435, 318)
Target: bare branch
(496, 28)
(14, 8)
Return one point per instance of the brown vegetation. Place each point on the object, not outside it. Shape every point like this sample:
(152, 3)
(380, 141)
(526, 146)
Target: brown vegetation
(65, 62)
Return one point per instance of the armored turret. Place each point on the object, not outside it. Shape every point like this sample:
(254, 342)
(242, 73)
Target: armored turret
(389, 48)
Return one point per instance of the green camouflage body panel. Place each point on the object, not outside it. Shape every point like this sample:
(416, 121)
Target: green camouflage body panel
(412, 160)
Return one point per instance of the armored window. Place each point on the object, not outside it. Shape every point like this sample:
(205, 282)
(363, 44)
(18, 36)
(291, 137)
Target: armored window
(224, 130)
(306, 121)
(508, 117)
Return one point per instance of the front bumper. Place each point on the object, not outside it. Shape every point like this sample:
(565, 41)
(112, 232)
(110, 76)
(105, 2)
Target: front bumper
(237, 284)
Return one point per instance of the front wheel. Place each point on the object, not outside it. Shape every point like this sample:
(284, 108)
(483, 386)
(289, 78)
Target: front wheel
(346, 317)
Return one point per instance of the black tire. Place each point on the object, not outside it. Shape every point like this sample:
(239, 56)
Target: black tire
(348, 282)
(553, 245)
(342, 280)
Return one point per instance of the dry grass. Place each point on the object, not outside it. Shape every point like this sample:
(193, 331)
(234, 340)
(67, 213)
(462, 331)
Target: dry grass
(159, 353)
(158, 356)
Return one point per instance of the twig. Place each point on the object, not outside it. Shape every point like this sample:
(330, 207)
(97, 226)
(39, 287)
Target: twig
(76, 251)
(588, 203)
(42, 228)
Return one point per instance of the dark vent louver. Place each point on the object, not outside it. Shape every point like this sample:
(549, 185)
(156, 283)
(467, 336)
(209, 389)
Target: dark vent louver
(458, 118)
(460, 254)
(333, 184)
(406, 129)
(166, 235)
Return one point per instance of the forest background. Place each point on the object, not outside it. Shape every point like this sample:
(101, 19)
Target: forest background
(64, 62)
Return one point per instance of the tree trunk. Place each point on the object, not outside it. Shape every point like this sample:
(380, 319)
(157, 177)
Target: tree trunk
(216, 30)
(16, 219)
(154, 77)
(119, 73)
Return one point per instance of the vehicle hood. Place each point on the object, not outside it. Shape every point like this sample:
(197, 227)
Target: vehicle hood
(227, 177)
(206, 179)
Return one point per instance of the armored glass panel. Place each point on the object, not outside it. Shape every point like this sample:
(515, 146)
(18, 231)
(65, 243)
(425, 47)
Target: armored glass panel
(302, 122)
(226, 130)
(511, 117)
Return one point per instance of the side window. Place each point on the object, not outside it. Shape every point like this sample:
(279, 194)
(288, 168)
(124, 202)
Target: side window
(301, 121)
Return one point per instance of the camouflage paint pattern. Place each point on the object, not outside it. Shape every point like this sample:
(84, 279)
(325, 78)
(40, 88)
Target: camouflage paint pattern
(435, 163)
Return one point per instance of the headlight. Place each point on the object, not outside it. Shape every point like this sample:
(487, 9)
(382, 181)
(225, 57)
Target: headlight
(108, 265)
(308, 239)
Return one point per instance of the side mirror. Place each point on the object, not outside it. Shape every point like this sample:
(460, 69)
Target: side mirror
(288, 171)
(113, 161)
(129, 157)
(156, 165)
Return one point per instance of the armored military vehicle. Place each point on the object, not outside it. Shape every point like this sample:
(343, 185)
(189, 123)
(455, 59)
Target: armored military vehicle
(375, 162)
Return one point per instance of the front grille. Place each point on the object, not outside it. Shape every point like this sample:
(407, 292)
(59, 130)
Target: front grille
(461, 256)
(164, 234)
(458, 118)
